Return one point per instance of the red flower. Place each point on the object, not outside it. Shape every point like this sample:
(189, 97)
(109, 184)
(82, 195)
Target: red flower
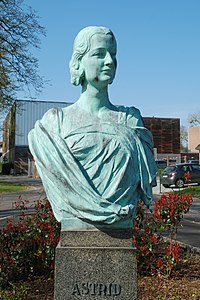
(160, 263)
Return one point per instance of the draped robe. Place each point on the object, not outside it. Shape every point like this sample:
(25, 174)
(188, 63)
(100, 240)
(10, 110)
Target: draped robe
(97, 172)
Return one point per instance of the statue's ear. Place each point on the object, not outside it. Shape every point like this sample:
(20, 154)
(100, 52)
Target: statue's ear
(80, 66)
(81, 70)
(78, 72)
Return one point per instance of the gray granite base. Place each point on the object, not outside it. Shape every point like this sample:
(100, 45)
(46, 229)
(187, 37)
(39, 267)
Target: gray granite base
(95, 265)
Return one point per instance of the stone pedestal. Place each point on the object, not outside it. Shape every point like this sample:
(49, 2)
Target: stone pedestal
(96, 265)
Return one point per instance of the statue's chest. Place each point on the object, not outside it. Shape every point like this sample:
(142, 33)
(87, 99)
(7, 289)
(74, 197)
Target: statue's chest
(77, 120)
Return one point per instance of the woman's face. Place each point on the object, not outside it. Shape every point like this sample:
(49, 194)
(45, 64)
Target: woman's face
(99, 63)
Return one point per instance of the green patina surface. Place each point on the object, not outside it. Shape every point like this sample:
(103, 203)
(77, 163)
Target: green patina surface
(95, 159)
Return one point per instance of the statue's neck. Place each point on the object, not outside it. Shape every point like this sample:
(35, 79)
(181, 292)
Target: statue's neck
(93, 99)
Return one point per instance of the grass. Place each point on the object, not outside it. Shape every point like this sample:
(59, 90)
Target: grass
(194, 191)
(8, 187)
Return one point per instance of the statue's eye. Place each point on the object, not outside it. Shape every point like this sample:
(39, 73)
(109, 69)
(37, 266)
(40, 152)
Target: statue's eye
(99, 53)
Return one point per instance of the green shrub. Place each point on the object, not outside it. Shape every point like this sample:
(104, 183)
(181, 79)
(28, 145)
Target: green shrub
(28, 247)
(15, 293)
(155, 254)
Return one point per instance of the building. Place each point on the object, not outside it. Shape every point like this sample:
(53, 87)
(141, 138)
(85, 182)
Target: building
(193, 138)
(18, 122)
(194, 142)
(166, 134)
(23, 115)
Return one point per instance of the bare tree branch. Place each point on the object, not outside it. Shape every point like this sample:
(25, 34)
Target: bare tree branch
(19, 31)
(194, 119)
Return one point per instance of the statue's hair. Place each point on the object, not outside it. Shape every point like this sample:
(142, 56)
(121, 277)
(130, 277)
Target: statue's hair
(81, 47)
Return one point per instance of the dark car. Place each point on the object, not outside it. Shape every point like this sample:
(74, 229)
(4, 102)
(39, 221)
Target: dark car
(195, 161)
(161, 163)
(180, 174)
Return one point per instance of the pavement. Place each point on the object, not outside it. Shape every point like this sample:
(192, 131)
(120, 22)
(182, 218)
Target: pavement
(34, 192)
(188, 232)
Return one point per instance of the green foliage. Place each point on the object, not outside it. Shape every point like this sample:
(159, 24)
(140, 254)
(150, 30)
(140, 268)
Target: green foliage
(28, 247)
(15, 293)
(157, 255)
(169, 210)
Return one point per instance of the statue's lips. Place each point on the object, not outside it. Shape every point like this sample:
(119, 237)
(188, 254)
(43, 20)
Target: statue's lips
(107, 70)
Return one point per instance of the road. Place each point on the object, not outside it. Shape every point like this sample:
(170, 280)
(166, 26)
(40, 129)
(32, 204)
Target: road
(34, 192)
(188, 233)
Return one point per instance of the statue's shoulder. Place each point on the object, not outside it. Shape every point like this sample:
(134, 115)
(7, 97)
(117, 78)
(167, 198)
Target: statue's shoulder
(52, 119)
(132, 115)
(69, 110)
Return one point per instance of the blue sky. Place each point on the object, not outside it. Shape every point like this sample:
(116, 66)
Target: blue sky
(158, 51)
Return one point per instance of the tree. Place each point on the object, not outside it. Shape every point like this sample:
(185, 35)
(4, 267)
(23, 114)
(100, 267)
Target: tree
(194, 119)
(184, 139)
(19, 31)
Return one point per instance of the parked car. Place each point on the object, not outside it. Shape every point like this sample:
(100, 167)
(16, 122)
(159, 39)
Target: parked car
(180, 174)
(193, 162)
(161, 163)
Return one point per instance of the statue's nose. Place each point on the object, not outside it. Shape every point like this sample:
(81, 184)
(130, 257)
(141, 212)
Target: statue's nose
(108, 59)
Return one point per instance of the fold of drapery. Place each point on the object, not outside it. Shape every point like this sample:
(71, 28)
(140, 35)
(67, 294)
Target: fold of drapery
(69, 189)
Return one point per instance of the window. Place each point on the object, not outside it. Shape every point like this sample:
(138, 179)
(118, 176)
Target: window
(196, 168)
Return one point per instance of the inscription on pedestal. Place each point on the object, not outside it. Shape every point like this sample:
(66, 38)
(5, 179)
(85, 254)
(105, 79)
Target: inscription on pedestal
(95, 265)
(100, 289)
